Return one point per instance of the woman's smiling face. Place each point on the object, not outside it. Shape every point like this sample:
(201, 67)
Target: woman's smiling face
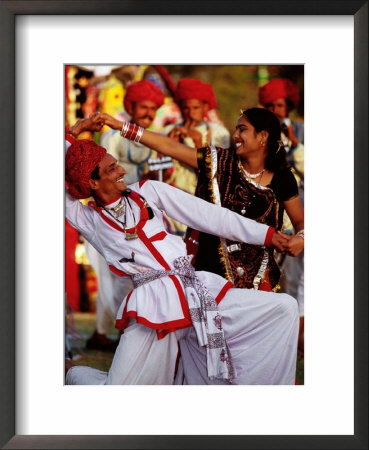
(246, 140)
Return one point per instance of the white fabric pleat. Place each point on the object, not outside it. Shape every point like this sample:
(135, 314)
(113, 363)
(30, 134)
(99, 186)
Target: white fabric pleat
(261, 330)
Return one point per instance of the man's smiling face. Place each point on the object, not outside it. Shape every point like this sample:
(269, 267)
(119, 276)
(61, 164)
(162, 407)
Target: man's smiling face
(110, 184)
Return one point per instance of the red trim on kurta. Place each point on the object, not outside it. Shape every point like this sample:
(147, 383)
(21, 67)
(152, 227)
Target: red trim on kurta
(162, 261)
(171, 325)
(159, 236)
(123, 322)
(114, 224)
(143, 215)
(224, 290)
(162, 329)
(118, 272)
(269, 236)
(142, 182)
(112, 201)
(182, 297)
(92, 204)
(157, 255)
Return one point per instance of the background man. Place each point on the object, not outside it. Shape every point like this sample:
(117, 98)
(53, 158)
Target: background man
(195, 99)
(141, 101)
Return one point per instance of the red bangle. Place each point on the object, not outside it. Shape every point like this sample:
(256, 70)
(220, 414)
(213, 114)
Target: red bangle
(131, 131)
(134, 132)
(269, 237)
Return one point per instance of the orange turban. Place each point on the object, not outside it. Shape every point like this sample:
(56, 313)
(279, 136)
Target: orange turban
(81, 159)
(189, 88)
(142, 91)
(279, 88)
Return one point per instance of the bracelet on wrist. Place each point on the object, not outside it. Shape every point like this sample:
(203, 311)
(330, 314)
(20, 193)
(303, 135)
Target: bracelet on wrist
(131, 131)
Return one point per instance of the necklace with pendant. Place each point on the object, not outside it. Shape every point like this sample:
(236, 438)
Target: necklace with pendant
(134, 235)
(118, 209)
(122, 210)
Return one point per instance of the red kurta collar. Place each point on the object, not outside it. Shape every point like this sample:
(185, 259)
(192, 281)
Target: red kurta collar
(144, 215)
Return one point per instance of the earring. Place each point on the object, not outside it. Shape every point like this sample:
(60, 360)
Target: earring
(280, 145)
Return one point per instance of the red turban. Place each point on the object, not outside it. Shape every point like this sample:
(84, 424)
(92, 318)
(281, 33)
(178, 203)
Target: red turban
(142, 91)
(81, 159)
(279, 88)
(189, 88)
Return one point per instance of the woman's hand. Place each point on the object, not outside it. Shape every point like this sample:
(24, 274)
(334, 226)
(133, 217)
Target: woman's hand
(295, 245)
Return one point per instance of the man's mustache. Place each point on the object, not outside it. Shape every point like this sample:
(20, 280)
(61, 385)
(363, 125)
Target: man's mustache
(147, 117)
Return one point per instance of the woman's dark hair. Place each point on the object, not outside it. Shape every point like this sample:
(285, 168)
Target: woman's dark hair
(264, 120)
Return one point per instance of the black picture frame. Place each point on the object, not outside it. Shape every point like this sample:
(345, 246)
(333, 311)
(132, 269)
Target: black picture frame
(8, 11)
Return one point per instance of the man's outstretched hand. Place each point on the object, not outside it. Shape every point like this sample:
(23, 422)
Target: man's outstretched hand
(93, 123)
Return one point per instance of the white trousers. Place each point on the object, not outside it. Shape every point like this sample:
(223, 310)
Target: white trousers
(140, 358)
(260, 328)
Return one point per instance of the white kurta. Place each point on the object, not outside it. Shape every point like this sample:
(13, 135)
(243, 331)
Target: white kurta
(161, 304)
(111, 289)
(161, 300)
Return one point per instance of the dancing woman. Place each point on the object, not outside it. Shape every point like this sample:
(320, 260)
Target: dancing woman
(251, 178)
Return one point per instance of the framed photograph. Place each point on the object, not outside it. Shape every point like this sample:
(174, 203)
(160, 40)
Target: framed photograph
(37, 40)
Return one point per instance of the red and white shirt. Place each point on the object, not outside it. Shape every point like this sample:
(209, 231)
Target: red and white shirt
(160, 304)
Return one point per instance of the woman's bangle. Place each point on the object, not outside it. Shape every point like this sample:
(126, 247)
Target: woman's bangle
(300, 233)
(124, 129)
(131, 131)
